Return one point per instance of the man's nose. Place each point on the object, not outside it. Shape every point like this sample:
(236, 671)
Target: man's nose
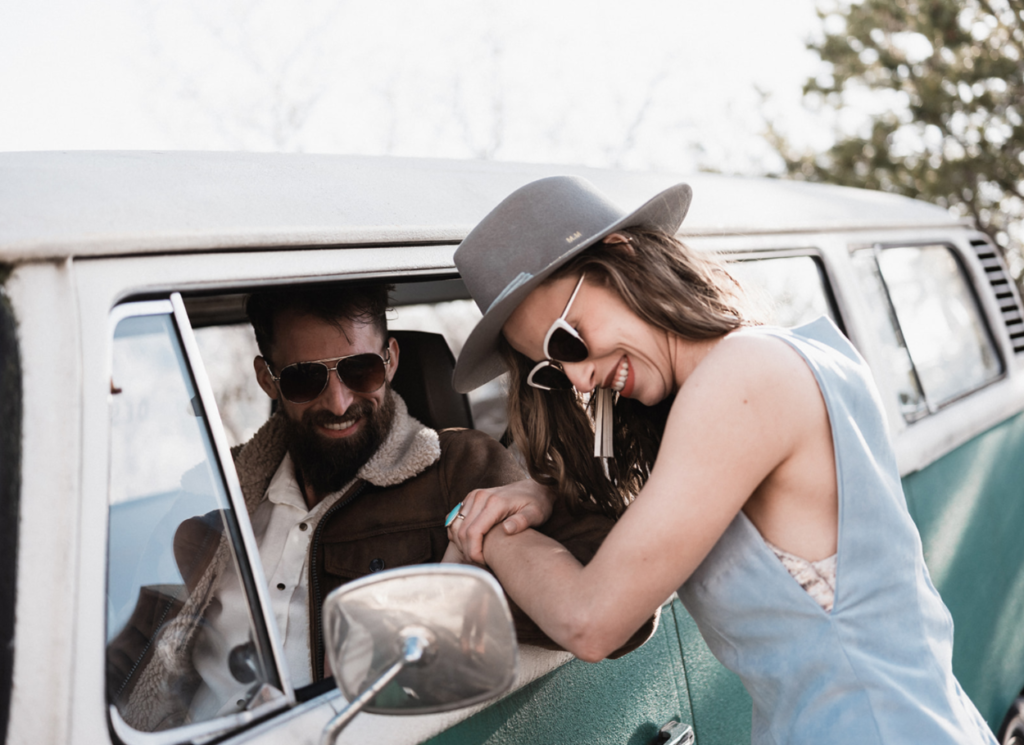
(337, 398)
(582, 375)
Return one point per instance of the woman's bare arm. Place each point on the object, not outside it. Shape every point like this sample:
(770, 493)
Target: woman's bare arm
(739, 416)
(516, 506)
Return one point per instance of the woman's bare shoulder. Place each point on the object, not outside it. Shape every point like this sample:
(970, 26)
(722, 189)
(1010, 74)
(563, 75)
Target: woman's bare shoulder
(747, 407)
(758, 362)
(744, 410)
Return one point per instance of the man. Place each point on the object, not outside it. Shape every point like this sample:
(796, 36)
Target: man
(340, 482)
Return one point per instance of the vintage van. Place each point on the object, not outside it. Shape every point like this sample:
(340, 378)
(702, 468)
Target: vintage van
(125, 361)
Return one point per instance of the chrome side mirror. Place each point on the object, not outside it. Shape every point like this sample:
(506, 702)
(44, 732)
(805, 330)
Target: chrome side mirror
(418, 640)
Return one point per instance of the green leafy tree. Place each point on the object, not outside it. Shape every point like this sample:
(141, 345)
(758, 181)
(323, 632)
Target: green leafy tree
(945, 79)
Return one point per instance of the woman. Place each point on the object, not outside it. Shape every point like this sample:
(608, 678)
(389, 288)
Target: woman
(766, 491)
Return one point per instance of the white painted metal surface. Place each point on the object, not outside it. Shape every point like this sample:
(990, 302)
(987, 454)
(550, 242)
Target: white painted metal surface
(90, 204)
(46, 611)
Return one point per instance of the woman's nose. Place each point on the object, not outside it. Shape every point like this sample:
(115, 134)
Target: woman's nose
(581, 374)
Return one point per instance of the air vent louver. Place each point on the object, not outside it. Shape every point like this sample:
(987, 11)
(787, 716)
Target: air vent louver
(1006, 295)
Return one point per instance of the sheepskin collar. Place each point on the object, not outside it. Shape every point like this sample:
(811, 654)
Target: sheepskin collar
(409, 449)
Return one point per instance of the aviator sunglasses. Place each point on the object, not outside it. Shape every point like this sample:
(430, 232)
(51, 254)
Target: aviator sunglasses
(302, 382)
(562, 343)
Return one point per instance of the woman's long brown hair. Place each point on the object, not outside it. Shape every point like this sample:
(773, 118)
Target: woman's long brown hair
(669, 287)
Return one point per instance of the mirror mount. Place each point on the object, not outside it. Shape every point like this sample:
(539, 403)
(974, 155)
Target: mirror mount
(415, 647)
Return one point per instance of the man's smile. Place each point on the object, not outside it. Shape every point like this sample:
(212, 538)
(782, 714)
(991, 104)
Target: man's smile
(341, 428)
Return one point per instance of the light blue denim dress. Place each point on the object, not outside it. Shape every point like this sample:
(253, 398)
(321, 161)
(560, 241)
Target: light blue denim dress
(878, 668)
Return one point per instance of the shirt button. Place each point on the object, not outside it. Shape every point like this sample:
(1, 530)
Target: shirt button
(303, 526)
(376, 565)
(280, 585)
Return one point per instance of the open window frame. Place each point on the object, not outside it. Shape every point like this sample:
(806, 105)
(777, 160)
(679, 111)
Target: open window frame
(277, 693)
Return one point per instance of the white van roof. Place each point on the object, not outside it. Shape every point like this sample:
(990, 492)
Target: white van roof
(60, 204)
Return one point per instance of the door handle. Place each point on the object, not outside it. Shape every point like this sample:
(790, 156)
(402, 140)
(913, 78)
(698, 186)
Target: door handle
(674, 733)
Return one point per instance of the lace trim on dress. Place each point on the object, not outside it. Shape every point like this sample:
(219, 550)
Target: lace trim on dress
(818, 578)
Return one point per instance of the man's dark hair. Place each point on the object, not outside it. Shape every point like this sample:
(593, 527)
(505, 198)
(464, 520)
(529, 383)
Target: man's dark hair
(366, 303)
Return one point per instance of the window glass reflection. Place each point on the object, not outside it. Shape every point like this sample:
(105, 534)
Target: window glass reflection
(172, 546)
(940, 320)
(896, 359)
(788, 291)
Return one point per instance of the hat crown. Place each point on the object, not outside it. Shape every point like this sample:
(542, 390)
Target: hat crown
(529, 230)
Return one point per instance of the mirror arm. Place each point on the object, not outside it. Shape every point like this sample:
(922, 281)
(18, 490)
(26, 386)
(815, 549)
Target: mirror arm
(341, 720)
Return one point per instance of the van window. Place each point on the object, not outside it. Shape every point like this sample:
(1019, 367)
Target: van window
(786, 291)
(928, 316)
(173, 655)
(899, 370)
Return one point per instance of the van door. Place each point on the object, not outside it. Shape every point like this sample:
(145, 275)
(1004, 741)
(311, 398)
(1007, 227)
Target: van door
(625, 700)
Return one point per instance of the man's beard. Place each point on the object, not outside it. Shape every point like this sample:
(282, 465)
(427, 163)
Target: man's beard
(326, 464)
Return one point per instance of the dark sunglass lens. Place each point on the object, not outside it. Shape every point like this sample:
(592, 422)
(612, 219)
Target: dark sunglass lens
(363, 373)
(303, 382)
(565, 347)
(551, 377)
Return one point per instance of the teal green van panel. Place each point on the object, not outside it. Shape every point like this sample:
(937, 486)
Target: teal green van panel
(969, 507)
(622, 701)
(721, 705)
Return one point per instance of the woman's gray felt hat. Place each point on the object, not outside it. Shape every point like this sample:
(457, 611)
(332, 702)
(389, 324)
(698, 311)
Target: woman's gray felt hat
(528, 236)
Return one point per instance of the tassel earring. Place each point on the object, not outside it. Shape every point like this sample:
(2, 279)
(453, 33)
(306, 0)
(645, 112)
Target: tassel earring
(603, 427)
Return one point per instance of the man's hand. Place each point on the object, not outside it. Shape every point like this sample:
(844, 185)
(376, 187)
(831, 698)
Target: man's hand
(452, 555)
(517, 506)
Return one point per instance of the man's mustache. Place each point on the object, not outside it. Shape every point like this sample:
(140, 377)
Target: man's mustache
(356, 409)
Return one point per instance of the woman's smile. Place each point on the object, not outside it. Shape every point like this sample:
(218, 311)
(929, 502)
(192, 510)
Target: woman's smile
(621, 378)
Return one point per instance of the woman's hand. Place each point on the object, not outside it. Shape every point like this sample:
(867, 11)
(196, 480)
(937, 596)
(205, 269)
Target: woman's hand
(517, 506)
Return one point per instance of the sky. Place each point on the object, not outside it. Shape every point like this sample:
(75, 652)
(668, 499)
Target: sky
(673, 85)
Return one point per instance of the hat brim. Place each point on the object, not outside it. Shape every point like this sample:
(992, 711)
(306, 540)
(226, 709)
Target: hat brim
(480, 361)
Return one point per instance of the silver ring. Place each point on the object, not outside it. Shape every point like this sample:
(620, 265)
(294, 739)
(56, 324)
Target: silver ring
(460, 516)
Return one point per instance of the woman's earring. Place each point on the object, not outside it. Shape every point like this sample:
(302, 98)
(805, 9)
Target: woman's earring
(603, 427)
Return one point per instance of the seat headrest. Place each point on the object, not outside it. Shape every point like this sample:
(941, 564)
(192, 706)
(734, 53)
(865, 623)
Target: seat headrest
(424, 380)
